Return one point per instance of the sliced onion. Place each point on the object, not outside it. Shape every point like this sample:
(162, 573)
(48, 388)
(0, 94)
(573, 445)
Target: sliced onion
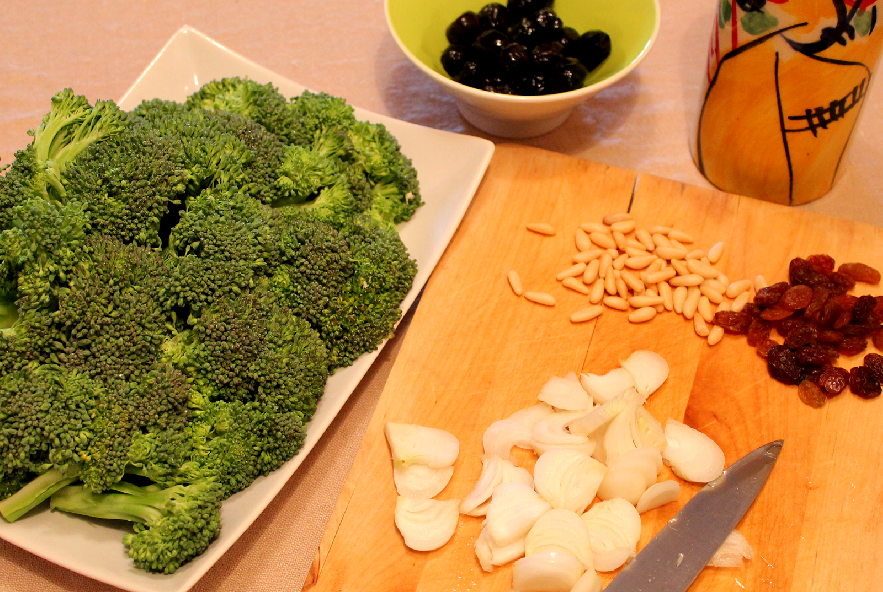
(588, 582)
(604, 387)
(421, 480)
(549, 571)
(551, 432)
(619, 436)
(529, 416)
(414, 444)
(692, 455)
(657, 495)
(648, 430)
(502, 435)
(565, 393)
(568, 478)
(491, 555)
(598, 417)
(645, 460)
(494, 470)
(732, 551)
(624, 484)
(560, 529)
(514, 508)
(649, 370)
(614, 528)
(426, 524)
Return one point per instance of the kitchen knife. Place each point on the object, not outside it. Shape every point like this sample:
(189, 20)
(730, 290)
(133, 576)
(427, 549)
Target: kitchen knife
(674, 557)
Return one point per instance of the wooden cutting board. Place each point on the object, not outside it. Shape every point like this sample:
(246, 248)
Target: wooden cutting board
(475, 353)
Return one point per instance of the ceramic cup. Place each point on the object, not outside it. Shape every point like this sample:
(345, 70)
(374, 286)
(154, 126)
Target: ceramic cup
(785, 84)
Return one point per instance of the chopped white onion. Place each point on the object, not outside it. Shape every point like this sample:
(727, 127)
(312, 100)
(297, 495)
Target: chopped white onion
(619, 435)
(645, 460)
(560, 529)
(426, 524)
(692, 455)
(491, 555)
(513, 509)
(502, 435)
(565, 393)
(625, 484)
(648, 430)
(568, 478)
(494, 470)
(604, 387)
(649, 370)
(614, 528)
(551, 432)
(421, 480)
(549, 571)
(598, 417)
(657, 495)
(414, 444)
(732, 551)
(588, 582)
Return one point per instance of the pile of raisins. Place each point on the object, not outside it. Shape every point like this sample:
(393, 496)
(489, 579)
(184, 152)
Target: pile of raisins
(521, 48)
(817, 320)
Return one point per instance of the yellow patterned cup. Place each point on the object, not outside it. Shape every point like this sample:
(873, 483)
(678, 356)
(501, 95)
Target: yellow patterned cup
(785, 84)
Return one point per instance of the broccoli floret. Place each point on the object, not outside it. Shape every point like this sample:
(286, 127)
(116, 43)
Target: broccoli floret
(314, 113)
(365, 311)
(71, 125)
(391, 174)
(262, 103)
(246, 347)
(172, 525)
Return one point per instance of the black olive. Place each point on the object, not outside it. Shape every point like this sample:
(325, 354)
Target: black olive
(494, 16)
(525, 32)
(567, 75)
(470, 75)
(464, 29)
(514, 59)
(591, 48)
(547, 55)
(567, 34)
(522, 8)
(487, 47)
(534, 84)
(497, 85)
(453, 58)
(549, 23)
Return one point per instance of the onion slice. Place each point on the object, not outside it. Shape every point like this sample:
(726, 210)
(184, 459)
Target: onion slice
(550, 571)
(568, 478)
(614, 528)
(649, 370)
(421, 480)
(513, 510)
(414, 444)
(692, 455)
(490, 555)
(604, 387)
(658, 495)
(565, 393)
(426, 524)
(494, 470)
(560, 529)
(732, 551)
(588, 582)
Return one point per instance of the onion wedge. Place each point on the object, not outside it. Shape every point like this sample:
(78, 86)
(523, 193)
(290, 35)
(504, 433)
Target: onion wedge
(426, 524)
(550, 571)
(648, 369)
(614, 528)
(732, 551)
(490, 555)
(421, 480)
(494, 471)
(604, 387)
(414, 444)
(568, 478)
(565, 393)
(658, 495)
(692, 455)
(513, 510)
(560, 529)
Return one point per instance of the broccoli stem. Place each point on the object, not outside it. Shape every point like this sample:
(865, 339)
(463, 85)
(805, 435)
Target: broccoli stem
(34, 493)
(134, 504)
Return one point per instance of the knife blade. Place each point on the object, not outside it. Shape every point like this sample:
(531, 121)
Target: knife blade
(675, 556)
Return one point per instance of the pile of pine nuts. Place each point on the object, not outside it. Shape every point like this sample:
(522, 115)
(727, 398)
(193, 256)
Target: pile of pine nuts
(644, 272)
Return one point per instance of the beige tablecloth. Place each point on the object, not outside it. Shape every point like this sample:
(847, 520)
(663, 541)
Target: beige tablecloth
(342, 47)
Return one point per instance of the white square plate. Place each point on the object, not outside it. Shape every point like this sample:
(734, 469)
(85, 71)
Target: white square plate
(449, 166)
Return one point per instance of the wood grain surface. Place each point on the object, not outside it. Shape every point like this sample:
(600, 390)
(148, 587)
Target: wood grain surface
(475, 353)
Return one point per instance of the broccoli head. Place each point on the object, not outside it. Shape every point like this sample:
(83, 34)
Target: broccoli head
(313, 113)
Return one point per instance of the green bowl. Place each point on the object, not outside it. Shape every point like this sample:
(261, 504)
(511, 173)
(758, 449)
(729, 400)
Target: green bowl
(418, 26)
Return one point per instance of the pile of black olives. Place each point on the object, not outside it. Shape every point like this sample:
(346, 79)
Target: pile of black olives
(521, 48)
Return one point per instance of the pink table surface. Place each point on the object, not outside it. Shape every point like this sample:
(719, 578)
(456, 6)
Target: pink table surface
(343, 47)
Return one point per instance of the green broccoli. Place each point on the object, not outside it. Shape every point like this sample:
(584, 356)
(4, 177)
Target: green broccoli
(262, 103)
(314, 113)
(172, 525)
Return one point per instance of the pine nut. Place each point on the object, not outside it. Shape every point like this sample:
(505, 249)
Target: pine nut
(703, 309)
(723, 279)
(680, 236)
(760, 282)
(660, 240)
(716, 285)
(515, 282)
(700, 326)
(605, 241)
(572, 271)
(667, 296)
(615, 217)
(605, 265)
(715, 252)
(680, 267)
(645, 239)
(712, 294)
(715, 335)
(676, 244)
(659, 229)
(540, 298)
(740, 301)
(619, 239)
(610, 282)
(678, 298)
(668, 253)
(623, 226)
(641, 261)
(662, 275)
(583, 242)
(642, 301)
(642, 315)
(591, 272)
(615, 302)
(696, 254)
(723, 306)
(591, 227)
(597, 292)
(738, 287)
(688, 280)
(706, 271)
(631, 243)
(622, 289)
(657, 265)
(586, 314)
(619, 262)
(632, 281)
(575, 285)
(586, 256)
(692, 302)
(541, 228)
